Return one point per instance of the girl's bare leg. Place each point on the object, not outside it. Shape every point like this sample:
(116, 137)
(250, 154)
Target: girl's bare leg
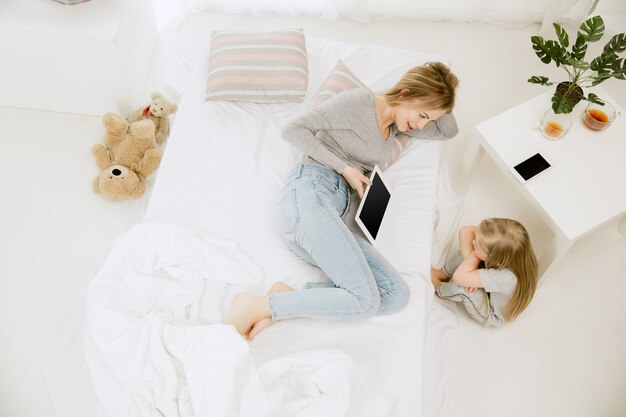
(437, 276)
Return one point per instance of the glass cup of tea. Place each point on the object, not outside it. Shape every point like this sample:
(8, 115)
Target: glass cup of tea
(554, 126)
(597, 117)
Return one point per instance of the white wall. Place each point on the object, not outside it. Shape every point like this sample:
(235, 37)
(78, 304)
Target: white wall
(98, 53)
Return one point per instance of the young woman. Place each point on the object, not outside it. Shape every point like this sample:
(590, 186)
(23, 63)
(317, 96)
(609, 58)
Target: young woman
(494, 274)
(342, 141)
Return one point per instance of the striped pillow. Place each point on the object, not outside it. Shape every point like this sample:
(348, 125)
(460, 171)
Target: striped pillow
(259, 67)
(339, 79)
(400, 143)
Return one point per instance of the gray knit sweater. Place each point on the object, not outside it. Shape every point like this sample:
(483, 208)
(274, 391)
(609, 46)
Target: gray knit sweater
(344, 131)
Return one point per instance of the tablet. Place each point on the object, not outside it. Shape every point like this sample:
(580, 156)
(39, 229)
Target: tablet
(530, 167)
(373, 206)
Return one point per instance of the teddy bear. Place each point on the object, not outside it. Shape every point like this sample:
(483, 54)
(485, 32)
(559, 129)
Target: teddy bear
(127, 157)
(158, 111)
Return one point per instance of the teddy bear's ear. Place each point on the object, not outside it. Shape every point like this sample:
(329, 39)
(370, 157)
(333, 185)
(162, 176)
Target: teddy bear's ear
(172, 107)
(156, 95)
(95, 185)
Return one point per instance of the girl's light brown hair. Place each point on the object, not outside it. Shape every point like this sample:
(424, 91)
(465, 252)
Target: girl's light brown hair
(433, 84)
(507, 245)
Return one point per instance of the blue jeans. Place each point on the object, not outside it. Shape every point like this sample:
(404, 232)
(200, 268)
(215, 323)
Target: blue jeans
(313, 208)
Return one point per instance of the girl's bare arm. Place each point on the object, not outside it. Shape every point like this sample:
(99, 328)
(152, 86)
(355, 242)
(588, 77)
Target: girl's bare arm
(466, 235)
(466, 275)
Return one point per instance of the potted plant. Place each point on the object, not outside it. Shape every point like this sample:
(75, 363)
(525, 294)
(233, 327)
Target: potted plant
(581, 73)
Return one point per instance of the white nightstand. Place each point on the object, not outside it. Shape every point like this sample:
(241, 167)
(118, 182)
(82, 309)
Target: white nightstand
(586, 185)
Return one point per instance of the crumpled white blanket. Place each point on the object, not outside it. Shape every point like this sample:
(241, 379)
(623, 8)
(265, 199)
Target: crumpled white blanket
(155, 346)
(322, 382)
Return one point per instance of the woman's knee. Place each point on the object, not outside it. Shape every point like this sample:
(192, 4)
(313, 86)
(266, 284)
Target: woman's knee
(395, 299)
(370, 304)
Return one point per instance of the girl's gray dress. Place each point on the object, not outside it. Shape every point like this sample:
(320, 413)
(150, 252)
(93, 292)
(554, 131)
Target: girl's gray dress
(485, 305)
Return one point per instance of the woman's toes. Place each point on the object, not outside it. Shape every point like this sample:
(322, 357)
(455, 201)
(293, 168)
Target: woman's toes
(257, 327)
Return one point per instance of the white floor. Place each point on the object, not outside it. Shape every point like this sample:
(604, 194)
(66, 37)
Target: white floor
(565, 356)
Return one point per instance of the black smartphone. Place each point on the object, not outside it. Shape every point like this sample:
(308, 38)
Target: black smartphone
(530, 167)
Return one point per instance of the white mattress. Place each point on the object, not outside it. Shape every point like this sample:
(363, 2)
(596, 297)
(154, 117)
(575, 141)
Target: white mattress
(224, 166)
(223, 169)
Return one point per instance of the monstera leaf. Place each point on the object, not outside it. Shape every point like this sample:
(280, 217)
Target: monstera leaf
(594, 99)
(549, 51)
(616, 45)
(619, 69)
(603, 63)
(579, 49)
(540, 80)
(562, 35)
(561, 104)
(592, 29)
(600, 78)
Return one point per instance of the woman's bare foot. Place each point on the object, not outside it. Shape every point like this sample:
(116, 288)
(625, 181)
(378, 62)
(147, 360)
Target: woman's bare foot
(262, 324)
(247, 309)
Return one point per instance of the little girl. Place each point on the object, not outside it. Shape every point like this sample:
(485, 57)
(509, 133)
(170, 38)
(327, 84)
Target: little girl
(494, 274)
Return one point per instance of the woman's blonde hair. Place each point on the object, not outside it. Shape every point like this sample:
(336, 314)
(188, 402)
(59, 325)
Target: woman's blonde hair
(433, 84)
(507, 245)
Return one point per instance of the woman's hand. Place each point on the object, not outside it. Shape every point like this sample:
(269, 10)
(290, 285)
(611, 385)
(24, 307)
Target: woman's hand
(356, 179)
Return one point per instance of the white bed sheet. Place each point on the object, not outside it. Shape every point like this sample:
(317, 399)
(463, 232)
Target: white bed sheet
(222, 171)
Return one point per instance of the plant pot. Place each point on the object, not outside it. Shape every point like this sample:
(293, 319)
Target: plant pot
(566, 97)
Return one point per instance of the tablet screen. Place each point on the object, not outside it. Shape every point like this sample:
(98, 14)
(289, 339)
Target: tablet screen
(374, 205)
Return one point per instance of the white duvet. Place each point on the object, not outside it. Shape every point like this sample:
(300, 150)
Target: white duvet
(154, 314)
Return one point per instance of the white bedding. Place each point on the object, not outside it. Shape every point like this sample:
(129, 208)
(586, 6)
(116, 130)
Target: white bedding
(157, 346)
(223, 168)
